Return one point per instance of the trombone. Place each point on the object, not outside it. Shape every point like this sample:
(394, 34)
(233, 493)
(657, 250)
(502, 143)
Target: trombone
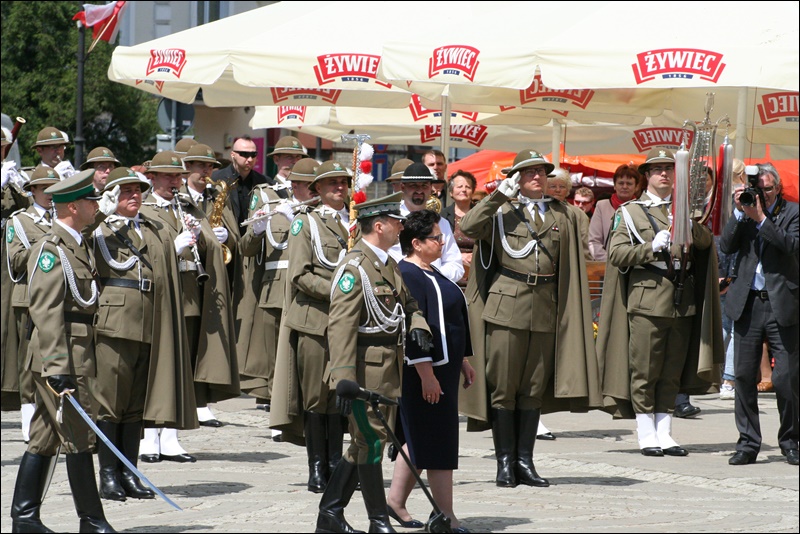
(202, 275)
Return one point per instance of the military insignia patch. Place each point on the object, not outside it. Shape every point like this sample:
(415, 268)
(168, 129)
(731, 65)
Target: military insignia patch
(297, 225)
(253, 202)
(47, 261)
(10, 234)
(347, 282)
(616, 221)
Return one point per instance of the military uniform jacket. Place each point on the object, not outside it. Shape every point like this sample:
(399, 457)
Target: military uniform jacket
(206, 205)
(63, 335)
(23, 226)
(310, 278)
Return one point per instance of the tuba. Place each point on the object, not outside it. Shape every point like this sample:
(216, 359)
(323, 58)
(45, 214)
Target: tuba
(215, 219)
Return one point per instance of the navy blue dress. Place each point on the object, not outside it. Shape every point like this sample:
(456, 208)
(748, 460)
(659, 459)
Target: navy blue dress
(431, 430)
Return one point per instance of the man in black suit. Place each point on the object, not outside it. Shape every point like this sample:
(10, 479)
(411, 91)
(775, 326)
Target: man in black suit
(763, 302)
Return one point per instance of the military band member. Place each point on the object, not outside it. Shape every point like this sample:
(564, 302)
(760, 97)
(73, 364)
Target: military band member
(50, 145)
(25, 229)
(538, 344)
(370, 312)
(288, 151)
(143, 364)
(103, 161)
(183, 145)
(648, 343)
(63, 301)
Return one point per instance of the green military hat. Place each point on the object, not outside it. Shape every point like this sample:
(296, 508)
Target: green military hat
(303, 170)
(167, 162)
(388, 205)
(7, 138)
(98, 155)
(656, 155)
(330, 169)
(42, 175)
(529, 158)
(125, 175)
(51, 136)
(182, 147)
(75, 187)
(201, 152)
(289, 145)
(397, 169)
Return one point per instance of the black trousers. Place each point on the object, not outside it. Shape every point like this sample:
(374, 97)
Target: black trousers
(756, 324)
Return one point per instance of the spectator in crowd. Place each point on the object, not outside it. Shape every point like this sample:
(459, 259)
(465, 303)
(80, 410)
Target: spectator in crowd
(584, 199)
(626, 186)
(460, 187)
(559, 184)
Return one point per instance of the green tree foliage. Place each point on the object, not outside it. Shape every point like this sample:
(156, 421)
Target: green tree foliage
(39, 73)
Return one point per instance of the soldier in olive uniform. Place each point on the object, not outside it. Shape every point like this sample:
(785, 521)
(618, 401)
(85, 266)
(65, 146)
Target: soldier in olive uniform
(538, 339)
(103, 161)
(50, 145)
(25, 229)
(370, 312)
(63, 301)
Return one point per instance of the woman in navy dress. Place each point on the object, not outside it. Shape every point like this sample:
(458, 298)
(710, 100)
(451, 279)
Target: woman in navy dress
(429, 404)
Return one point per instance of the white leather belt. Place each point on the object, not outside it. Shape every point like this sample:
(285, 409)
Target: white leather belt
(275, 265)
(185, 265)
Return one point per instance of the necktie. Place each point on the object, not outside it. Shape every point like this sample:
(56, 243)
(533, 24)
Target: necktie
(664, 211)
(48, 217)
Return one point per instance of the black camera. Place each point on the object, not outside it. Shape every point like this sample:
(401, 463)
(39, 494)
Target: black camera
(752, 191)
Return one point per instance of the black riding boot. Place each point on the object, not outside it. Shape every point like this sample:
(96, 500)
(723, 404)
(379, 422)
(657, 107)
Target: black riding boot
(371, 476)
(336, 426)
(110, 487)
(80, 470)
(316, 450)
(34, 470)
(526, 438)
(130, 435)
(504, 447)
(338, 492)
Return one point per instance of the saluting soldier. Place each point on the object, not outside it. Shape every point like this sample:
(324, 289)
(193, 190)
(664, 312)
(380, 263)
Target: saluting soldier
(25, 229)
(538, 342)
(63, 301)
(103, 161)
(143, 366)
(370, 312)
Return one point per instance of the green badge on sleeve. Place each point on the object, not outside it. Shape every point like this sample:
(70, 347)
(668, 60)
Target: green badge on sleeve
(253, 202)
(347, 282)
(47, 261)
(616, 220)
(10, 234)
(297, 225)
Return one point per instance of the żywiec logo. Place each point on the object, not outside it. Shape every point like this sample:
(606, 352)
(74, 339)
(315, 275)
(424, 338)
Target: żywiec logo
(678, 63)
(348, 68)
(291, 112)
(419, 112)
(281, 94)
(539, 91)
(647, 138)
(166, 60)
(777, 106)
(158, 83)
(459, 60)
(474, 134)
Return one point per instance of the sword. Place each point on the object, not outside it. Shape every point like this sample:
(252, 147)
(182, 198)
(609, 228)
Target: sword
(115, 450)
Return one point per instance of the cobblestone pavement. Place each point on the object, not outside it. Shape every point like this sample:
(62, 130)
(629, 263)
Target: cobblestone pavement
(245, 482)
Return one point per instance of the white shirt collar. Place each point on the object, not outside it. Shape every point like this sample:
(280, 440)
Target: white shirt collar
(382, 254)
(77, 235)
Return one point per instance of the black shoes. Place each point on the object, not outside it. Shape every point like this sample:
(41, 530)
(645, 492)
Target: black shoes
(791, 456)
(675, 451)
(652, 451)
(686, 410)
(547, 436)
(742, 458)
(180, 458)
(150, 458)
(411, 523)
(213, 423)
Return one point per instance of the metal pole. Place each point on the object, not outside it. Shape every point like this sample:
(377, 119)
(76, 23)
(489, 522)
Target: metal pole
(173, 123)
(79, 140)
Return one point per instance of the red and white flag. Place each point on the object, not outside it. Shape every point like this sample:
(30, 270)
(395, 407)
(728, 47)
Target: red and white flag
(104, 20)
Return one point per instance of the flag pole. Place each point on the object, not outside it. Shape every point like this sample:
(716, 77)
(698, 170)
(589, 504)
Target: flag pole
(79, 140)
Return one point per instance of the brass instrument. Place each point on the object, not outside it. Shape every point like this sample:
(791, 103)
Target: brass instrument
(18, 122)
(433, 203)
(256, 218)
(202, 275)
(215, 219)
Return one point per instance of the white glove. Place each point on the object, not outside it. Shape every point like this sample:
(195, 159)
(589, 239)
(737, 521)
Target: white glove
(65, 169)
(184, 241)
(510, 186)
(222, 234)
(286, 208)
(259, 227)
(661, 241)
(108, 204)
(192, 224)
(9, 168)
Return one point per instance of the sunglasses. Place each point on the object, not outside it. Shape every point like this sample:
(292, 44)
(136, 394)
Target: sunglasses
(246, 154)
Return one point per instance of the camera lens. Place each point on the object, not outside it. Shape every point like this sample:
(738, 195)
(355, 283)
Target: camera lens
(748, 198)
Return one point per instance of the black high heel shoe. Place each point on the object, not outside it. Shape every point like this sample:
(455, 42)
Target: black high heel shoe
(413, 523)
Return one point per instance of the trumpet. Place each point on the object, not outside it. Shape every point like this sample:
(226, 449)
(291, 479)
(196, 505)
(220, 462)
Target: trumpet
(202, 275)
(252, 220)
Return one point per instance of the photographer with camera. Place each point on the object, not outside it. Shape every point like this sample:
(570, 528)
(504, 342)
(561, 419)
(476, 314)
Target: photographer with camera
(763, 303)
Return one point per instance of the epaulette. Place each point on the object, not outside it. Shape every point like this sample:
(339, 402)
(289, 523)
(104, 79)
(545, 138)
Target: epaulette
(304, 208)
(52, 238)
(357, 260)
(21, 210)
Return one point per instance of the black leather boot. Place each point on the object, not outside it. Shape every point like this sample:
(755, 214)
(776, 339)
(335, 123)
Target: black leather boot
(340, 489)
(130, 435)
(80, 470)
(110, 487)
(526, 438)
(316, 449)
(504, 447)
(371, 476)
(336, 425)
(32, 476)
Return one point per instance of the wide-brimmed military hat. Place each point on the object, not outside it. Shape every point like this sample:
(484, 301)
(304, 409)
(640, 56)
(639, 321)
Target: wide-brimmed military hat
(201, 152)
(51, 136)
(289, 145)
(303, 170)
(183, 145)
(657, 155)
(97, 155)
(167, 162)
(528, 158)
(388, 205)
(6, 138)
(330, 169)
(42, 175)
(417, 172)
(125, 175)
(397, 169)
(76, 187)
